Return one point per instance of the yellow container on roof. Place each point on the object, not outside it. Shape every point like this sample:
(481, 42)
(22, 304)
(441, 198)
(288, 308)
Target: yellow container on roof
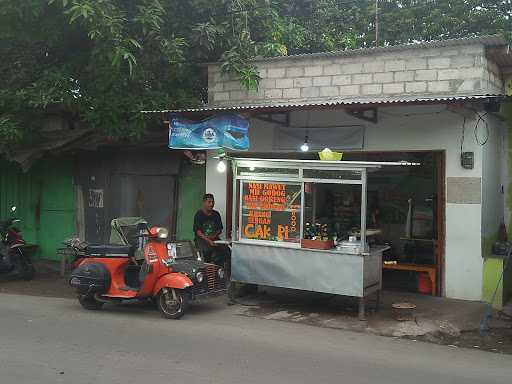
(328, 155)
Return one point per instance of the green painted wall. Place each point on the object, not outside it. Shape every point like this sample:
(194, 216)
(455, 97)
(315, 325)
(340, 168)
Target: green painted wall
(57, 206)
(19, 189)
(45, 199)
(492, 272)
(191, 188)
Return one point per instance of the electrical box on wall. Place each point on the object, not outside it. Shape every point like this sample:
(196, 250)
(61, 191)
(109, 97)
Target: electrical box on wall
(467, 160)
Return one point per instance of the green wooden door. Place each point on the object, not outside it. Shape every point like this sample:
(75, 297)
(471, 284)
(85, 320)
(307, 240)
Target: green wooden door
(44, 197)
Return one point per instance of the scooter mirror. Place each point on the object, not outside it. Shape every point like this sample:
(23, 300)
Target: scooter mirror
(13, 209)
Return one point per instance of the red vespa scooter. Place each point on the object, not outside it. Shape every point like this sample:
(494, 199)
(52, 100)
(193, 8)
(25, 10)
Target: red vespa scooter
(172, 274)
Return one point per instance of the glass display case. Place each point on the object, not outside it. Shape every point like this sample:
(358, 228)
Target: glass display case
(307, 204)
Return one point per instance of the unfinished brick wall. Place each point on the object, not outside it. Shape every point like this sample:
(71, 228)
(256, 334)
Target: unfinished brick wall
(364, 74)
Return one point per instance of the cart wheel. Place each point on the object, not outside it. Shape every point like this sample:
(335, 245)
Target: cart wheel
(172, 303)
(89, 302)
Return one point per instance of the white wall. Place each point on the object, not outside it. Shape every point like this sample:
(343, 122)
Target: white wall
(216, 183)
(401, 129)
(463, 259)
(492, 185)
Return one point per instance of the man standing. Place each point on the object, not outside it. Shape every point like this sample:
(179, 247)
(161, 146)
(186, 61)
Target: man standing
(207, 228)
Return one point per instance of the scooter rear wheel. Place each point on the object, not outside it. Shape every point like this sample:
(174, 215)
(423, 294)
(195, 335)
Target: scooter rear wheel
(89, 302)
(172, 303)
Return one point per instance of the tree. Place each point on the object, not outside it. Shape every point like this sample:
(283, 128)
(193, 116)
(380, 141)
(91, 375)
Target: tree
(99, 62)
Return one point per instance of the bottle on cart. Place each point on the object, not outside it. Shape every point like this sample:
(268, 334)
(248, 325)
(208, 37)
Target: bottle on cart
(307, 231)
(325, 232)
(318, 231)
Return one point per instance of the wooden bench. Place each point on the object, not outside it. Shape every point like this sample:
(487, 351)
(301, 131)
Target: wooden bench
(430, 269)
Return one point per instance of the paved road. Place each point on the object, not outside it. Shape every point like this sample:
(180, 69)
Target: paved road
(47, 340)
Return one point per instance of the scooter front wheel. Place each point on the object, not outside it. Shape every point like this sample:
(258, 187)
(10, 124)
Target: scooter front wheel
(89, 302)
(172, 303)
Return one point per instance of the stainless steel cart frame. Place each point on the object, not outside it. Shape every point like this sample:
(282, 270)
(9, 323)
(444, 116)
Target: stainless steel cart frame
(287, 265)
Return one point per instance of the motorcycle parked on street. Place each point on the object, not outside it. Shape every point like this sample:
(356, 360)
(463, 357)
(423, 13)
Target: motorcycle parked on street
(14, 261)
(169, 273)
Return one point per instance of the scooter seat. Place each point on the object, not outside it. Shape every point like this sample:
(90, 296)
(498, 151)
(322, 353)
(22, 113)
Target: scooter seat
(109, 250)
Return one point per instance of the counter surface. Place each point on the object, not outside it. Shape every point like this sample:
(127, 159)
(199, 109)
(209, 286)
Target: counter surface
(378, 248)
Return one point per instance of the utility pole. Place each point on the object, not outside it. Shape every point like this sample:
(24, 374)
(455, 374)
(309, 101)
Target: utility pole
(376, 23)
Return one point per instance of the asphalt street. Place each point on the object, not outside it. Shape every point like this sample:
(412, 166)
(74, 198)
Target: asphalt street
(49, 340)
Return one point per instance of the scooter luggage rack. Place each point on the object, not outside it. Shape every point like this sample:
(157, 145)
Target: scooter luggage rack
(109, 250)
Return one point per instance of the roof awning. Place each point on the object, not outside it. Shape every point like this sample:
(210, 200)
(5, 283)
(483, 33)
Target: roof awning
(326, 104)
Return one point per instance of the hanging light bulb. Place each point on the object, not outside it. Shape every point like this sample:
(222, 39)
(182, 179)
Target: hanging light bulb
(305, 147)
(252, 168)
(221, 166)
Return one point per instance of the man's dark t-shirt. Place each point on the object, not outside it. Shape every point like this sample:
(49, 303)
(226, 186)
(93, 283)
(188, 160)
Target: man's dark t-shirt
(208, 224)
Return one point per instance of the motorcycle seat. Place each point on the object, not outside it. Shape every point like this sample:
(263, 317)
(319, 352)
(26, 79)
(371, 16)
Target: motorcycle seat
(109, 250)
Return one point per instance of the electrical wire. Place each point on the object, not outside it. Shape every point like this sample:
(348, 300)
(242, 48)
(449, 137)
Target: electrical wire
(475, 132)
(326, 6)
(462, 136)
(319, 7)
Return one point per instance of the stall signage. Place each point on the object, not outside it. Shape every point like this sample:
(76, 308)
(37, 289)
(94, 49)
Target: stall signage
(225, 131)
(271, 211)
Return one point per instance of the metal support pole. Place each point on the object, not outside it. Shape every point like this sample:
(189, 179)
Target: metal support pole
(234, 199)
(363, 209)
(362, 312)
(302, 203)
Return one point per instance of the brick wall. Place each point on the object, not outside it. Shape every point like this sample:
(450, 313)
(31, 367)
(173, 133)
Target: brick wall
(365, 74)
(494, 77)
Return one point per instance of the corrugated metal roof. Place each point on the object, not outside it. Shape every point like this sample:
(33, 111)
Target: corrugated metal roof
(487, 41)
(330, 103)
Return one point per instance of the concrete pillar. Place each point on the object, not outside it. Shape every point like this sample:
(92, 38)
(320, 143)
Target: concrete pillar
(216, 183)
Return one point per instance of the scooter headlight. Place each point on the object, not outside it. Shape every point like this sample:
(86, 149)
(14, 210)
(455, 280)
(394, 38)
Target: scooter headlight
(220, 272)
(162, 233)
(199, 277)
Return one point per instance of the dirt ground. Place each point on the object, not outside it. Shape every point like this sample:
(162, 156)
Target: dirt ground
(48, 283)
(497, 340)
(433, 323)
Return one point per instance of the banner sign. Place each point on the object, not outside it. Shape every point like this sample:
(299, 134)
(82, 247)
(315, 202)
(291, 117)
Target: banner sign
(271, 211)
(226, 131)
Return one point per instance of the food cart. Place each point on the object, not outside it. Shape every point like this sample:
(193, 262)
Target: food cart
(279, 238)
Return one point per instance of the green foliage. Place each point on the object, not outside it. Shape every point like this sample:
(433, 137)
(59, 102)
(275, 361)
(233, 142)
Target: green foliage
(102, 61)
(9, 131)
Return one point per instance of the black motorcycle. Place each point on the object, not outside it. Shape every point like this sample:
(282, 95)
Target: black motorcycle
(14, 261)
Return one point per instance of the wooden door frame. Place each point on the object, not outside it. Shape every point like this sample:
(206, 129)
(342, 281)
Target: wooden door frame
(440, 244)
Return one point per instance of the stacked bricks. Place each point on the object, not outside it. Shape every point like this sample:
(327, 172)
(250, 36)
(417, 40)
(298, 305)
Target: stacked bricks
(364, 74)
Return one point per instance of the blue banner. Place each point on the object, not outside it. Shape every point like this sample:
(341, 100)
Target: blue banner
(225, 131)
